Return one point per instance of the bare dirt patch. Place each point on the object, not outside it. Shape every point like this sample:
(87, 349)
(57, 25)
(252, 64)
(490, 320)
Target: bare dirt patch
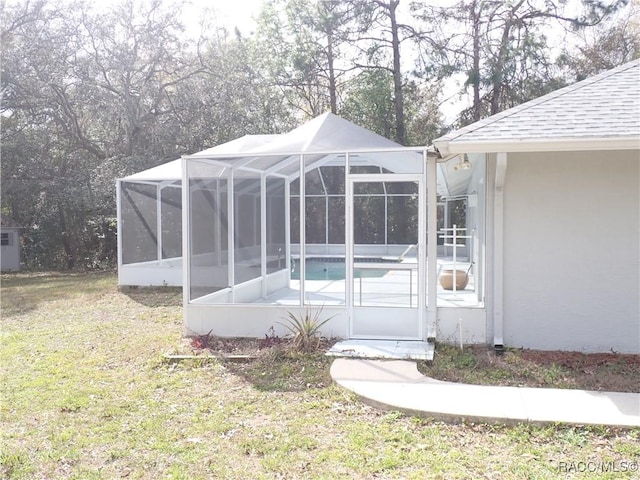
(238, 346)
(535, 368)
(271, 363)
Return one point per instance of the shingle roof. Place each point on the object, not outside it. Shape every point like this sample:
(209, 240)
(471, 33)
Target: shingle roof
(605, 106)
(8, 222)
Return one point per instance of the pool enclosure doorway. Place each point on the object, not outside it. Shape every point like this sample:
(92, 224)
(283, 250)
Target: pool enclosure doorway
(392, 307)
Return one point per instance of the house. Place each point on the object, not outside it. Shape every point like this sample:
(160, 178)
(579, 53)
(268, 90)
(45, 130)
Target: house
(563, 223)
(9, 244)
(536, 209)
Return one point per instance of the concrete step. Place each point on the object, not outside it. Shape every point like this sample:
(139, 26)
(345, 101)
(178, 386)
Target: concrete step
(387, 349)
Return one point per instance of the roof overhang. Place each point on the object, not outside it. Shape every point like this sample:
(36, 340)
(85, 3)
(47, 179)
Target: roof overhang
(448, 148)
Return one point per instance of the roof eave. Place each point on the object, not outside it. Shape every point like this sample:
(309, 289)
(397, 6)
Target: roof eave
(447, 147)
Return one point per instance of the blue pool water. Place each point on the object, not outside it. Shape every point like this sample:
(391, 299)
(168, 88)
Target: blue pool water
(332, 269)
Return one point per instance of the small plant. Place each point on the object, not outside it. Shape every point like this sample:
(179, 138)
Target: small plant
(305, 329)
(200, 342)
(270, 339)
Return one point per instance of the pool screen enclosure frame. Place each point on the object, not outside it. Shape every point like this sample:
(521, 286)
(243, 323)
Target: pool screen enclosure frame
(372, 321)
(233, 286)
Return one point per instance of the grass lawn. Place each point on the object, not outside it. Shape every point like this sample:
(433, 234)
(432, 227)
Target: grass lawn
(87, 394)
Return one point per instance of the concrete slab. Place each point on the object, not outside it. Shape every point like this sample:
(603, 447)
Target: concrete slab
(388, 349)
(397, 385)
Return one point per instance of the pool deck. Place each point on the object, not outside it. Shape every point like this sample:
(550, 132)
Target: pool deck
(397, 288)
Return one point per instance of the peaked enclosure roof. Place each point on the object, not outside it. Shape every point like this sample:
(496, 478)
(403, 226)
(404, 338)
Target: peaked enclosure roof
(601, 112)
(173, 170)
(323, 140)
(324, 133)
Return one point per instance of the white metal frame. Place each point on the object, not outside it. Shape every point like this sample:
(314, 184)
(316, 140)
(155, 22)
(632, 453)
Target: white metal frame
(352, 179)
(426, 311)
(498, 250)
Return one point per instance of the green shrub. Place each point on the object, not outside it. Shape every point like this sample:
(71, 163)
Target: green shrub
(305, 329)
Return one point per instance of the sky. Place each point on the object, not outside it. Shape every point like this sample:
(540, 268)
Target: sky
(231, 13)
(241, 13)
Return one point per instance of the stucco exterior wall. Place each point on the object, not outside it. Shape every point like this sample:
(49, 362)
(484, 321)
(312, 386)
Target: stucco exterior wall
(572, 251)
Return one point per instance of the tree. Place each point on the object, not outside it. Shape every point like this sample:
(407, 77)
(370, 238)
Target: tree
(229, 98)
(44, 168)
(611, 43)
(502, 47)
(84, 102)
(381, 34)
(302, 43)
(369, 102)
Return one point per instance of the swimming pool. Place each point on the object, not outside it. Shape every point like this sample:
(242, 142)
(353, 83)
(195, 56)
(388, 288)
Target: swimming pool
(334, 269)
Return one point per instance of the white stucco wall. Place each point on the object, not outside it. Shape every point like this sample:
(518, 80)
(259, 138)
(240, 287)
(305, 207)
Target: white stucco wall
(572, 251)
(468, 325)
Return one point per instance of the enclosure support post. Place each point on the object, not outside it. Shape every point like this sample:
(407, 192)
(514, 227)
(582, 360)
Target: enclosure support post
(186, 239)
(446, 225)
(218, 225)
(421, 246)
(119, 223)
(348, 240)
(386, 219)
(263, 233)
(159, 223)
(432, 249)
(287, 229)
(498, 246)
(231, 236)
(303, 221)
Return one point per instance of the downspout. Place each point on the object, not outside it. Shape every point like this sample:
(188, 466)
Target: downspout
(498, 253)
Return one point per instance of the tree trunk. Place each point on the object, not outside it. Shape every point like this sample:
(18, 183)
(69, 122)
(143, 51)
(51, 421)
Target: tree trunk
(397, 75)
(333, 102)
(66, 239)
(498, 74)
(475, 19)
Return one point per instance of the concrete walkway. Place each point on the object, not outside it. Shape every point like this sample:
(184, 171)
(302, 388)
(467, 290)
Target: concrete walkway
(397, 385)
